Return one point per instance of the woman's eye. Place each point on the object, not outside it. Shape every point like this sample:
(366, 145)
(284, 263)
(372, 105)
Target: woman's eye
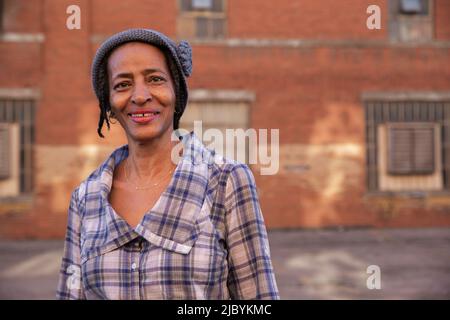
(156, 79)
(121, 85)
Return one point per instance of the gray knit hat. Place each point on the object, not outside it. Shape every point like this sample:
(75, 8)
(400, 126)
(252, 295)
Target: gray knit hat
(179, 60)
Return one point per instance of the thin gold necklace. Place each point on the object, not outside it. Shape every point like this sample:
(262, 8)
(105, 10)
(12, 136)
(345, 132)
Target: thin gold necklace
(152, 185)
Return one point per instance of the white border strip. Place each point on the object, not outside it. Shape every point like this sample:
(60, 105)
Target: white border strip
(204, 95)
(301, 43)
(20, 93)
(407, 95)
(22, 37)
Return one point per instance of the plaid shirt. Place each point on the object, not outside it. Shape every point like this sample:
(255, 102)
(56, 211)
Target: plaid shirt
(204, 238)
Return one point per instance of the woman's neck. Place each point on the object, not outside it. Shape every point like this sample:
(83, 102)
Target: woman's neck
(150, 159)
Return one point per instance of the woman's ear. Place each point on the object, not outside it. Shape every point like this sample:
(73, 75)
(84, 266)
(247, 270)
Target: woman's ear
(112, 115)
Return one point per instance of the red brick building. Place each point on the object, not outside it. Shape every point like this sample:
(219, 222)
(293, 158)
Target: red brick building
(363, 113)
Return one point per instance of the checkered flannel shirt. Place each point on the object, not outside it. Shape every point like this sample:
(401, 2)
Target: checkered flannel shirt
(204, 238)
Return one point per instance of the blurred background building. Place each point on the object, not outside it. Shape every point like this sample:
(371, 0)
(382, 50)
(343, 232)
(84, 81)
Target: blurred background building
(364, 115)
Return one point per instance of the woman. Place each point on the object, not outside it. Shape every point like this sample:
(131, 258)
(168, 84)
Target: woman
(144, 227)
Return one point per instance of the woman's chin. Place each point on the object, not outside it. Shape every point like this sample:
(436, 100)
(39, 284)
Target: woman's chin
(146, 134)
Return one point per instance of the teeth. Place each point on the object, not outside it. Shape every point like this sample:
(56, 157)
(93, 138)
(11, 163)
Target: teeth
(141, 115)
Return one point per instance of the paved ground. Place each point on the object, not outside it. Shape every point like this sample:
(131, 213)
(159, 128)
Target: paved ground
(414, 264)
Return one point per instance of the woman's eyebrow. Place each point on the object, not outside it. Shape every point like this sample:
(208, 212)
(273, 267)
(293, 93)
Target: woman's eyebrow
(144, 72)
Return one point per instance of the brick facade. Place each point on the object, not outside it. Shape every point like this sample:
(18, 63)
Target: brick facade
(307, 62)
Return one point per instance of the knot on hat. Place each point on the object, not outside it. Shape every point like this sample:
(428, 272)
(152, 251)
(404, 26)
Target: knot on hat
(184, 51)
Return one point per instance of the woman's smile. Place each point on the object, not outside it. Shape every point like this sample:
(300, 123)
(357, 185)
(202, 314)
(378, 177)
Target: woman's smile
(143, 117)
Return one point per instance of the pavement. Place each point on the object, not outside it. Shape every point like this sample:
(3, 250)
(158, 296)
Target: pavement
(309, 264)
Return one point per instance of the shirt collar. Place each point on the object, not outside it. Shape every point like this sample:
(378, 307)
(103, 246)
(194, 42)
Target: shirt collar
(171, 223)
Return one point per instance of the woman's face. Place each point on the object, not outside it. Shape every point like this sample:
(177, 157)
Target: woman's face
(141, 91)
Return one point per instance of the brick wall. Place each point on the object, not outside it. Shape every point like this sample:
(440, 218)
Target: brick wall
(305, 19)
(310, 90)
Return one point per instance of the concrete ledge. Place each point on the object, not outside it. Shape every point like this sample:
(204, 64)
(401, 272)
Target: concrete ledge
(205, 95)
(22, 37)
(300, 43)
(305, 43)
(20, 93)
(407, 96)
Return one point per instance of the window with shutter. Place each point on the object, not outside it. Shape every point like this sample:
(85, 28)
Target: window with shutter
(410, 149)
(408, 142)
(16, 146)
(201, 19)
(411, 20)
(4, 151)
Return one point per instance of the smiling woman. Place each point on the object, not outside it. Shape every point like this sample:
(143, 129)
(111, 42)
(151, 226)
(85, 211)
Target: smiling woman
(143, 227)
(138, 73)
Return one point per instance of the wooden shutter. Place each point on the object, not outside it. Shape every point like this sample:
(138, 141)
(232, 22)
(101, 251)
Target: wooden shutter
(423, 155)
(411, 149)
(399, 151)
(218, 6)
(5, 151)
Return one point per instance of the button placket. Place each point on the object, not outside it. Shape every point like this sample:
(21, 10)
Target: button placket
(134, 268)
(135, 277)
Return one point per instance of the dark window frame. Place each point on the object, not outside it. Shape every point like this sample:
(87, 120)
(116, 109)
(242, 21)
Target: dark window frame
(22, 112)
(2, 12)
(382, 111)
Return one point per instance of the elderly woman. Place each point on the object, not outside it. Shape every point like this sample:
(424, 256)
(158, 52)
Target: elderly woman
(142, 226)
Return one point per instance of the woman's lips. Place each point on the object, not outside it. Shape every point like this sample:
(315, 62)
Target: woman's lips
(143, 118)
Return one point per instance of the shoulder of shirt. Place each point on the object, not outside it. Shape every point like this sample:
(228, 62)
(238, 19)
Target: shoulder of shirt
(217, 163)
(229, 168)
(94, 176)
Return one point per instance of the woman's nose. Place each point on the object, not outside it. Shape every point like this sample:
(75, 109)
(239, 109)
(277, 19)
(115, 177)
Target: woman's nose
(141, 94)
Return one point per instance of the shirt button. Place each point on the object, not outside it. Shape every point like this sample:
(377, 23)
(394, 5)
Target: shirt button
(133, 266)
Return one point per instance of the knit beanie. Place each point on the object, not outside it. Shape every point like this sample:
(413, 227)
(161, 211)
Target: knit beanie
(179, 60)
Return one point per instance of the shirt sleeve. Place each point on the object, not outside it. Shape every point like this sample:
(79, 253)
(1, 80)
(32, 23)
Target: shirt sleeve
(250, 274)
(70, 282)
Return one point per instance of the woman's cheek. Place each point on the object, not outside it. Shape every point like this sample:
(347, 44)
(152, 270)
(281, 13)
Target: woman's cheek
(118, 101)
(165, 94)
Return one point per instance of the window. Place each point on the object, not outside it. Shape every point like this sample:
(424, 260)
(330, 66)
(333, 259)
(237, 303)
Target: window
(16, 146)
(5, 151)
(220, 112)
(411, 20)
(411, 148)
(201, 19)
(408, 144)
(414, 7)
(201, 4)
(1, 15)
